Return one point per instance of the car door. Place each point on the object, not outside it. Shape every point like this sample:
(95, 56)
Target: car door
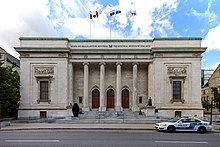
(183, 125)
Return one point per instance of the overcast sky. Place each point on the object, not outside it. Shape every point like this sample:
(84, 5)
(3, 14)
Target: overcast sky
(70, 18)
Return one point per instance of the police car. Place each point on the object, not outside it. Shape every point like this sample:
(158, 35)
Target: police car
(184, 124)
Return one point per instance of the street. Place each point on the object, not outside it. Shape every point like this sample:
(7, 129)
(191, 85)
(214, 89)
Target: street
(105, 138)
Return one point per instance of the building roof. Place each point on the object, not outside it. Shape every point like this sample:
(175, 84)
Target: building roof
(11, 59)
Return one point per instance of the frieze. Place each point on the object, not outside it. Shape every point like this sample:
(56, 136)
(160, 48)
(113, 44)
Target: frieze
(176, 70)
(158, 55)
(62, 55)
(197, 55)
(24, 55)
(43, 70)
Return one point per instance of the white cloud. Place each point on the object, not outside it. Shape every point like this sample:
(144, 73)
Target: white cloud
(142, 26)
(209, 15)
(70, 18)
(23, 18)
(212, 39)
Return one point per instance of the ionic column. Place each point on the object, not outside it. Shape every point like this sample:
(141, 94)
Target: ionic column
(86, 85)
(118, 87)
(102, 87)
(70, 84)
(135, 93)
(150, 80)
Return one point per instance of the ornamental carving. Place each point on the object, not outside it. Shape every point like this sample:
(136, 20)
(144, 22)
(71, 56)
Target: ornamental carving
(176, 70)
(43, 70)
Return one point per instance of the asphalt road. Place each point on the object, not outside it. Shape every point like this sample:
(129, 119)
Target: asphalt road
(106, 138)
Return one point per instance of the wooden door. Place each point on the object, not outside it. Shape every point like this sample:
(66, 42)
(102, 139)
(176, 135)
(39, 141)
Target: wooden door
(110, 98)
(95, 98)
(125, 98)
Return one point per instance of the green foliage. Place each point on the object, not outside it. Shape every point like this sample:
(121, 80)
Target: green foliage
(216, 97)
(9, 90)
(206, 104)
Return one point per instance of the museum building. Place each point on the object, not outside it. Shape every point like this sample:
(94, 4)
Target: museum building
(110, 75)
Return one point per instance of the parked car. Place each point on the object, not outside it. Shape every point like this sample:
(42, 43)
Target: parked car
(184, 124)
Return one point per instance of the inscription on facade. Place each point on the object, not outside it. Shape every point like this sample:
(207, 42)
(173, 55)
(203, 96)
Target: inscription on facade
(43, 70)
(176, 70)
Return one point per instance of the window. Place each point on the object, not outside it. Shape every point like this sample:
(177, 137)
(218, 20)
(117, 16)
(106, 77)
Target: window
(177, 90)
(43, 90)
(140, 99)
(80, 99)
(43, 114)
(44, 93)
(178, 113)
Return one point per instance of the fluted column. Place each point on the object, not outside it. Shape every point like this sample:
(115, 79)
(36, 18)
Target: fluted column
(70, 83)
(102, 87)
(118, 87)
(150, 78)
(86, 85)
(135, 92)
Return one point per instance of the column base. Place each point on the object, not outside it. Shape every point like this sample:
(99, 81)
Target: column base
(135, 108)
(118, 108)
(102, 108)
(85, 109)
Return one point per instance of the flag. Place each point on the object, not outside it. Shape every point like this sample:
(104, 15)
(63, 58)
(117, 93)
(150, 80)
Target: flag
(133, 13)
(115, 12)
(96, 15)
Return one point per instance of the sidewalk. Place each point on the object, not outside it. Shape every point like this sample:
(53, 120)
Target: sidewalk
(41, 126)
(46, 126)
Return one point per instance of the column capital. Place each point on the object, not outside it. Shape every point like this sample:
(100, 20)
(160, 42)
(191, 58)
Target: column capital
(135, 63)
(102, 63)
(118, 63)
(85, 63)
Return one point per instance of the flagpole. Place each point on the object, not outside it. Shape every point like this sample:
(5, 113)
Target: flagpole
(110, 31)
(90, 29)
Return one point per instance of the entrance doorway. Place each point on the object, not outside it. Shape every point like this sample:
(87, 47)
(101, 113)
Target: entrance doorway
(125, 99)
(95, 98)
(110, 98)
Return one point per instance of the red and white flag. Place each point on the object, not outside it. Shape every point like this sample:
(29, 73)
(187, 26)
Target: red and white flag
(96, 15)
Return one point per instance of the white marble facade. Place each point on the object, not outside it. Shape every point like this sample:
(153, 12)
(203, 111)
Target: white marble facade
(104, 75)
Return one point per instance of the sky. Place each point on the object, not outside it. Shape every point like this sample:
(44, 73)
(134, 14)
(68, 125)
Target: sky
(71, 19)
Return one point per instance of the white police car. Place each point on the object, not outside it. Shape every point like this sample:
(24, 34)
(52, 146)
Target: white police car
(184, 124)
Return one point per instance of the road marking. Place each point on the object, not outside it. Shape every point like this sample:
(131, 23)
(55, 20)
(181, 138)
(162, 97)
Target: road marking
(34, 141)
(189, 142)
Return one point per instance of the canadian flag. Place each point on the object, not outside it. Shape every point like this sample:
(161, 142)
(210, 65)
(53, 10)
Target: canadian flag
(96, 15)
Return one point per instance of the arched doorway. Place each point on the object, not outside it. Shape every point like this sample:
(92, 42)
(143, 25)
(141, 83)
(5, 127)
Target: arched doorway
(110, 98)
(125, 98)
(95, 98)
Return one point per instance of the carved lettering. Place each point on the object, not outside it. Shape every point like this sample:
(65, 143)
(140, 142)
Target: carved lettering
(43, 70)
(176, 70)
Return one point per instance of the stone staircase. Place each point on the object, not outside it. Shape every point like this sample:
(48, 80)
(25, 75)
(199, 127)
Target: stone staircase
(113, 117)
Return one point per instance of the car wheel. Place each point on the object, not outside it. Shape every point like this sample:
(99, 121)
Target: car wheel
(171, 129)
(202, 130)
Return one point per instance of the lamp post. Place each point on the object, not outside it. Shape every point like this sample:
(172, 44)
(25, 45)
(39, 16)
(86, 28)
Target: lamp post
(211, 110)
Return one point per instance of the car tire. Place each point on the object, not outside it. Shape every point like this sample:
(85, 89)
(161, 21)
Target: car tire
(202, 130)
(171, 129)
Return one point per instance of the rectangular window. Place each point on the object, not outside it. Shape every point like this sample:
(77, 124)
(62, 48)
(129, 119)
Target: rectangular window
(80, 100)
(43, 114)
(140, 99)
(177, 89)
(178, 113)
(44, 90)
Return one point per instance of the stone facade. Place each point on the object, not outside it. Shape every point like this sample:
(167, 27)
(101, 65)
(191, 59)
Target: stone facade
(105, 75)
(213, 81)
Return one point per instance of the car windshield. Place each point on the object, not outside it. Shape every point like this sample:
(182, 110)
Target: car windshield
(173, 120)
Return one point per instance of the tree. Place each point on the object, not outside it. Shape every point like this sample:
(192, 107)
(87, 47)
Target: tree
(216, 97)
(206, 104)
(9, 91)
